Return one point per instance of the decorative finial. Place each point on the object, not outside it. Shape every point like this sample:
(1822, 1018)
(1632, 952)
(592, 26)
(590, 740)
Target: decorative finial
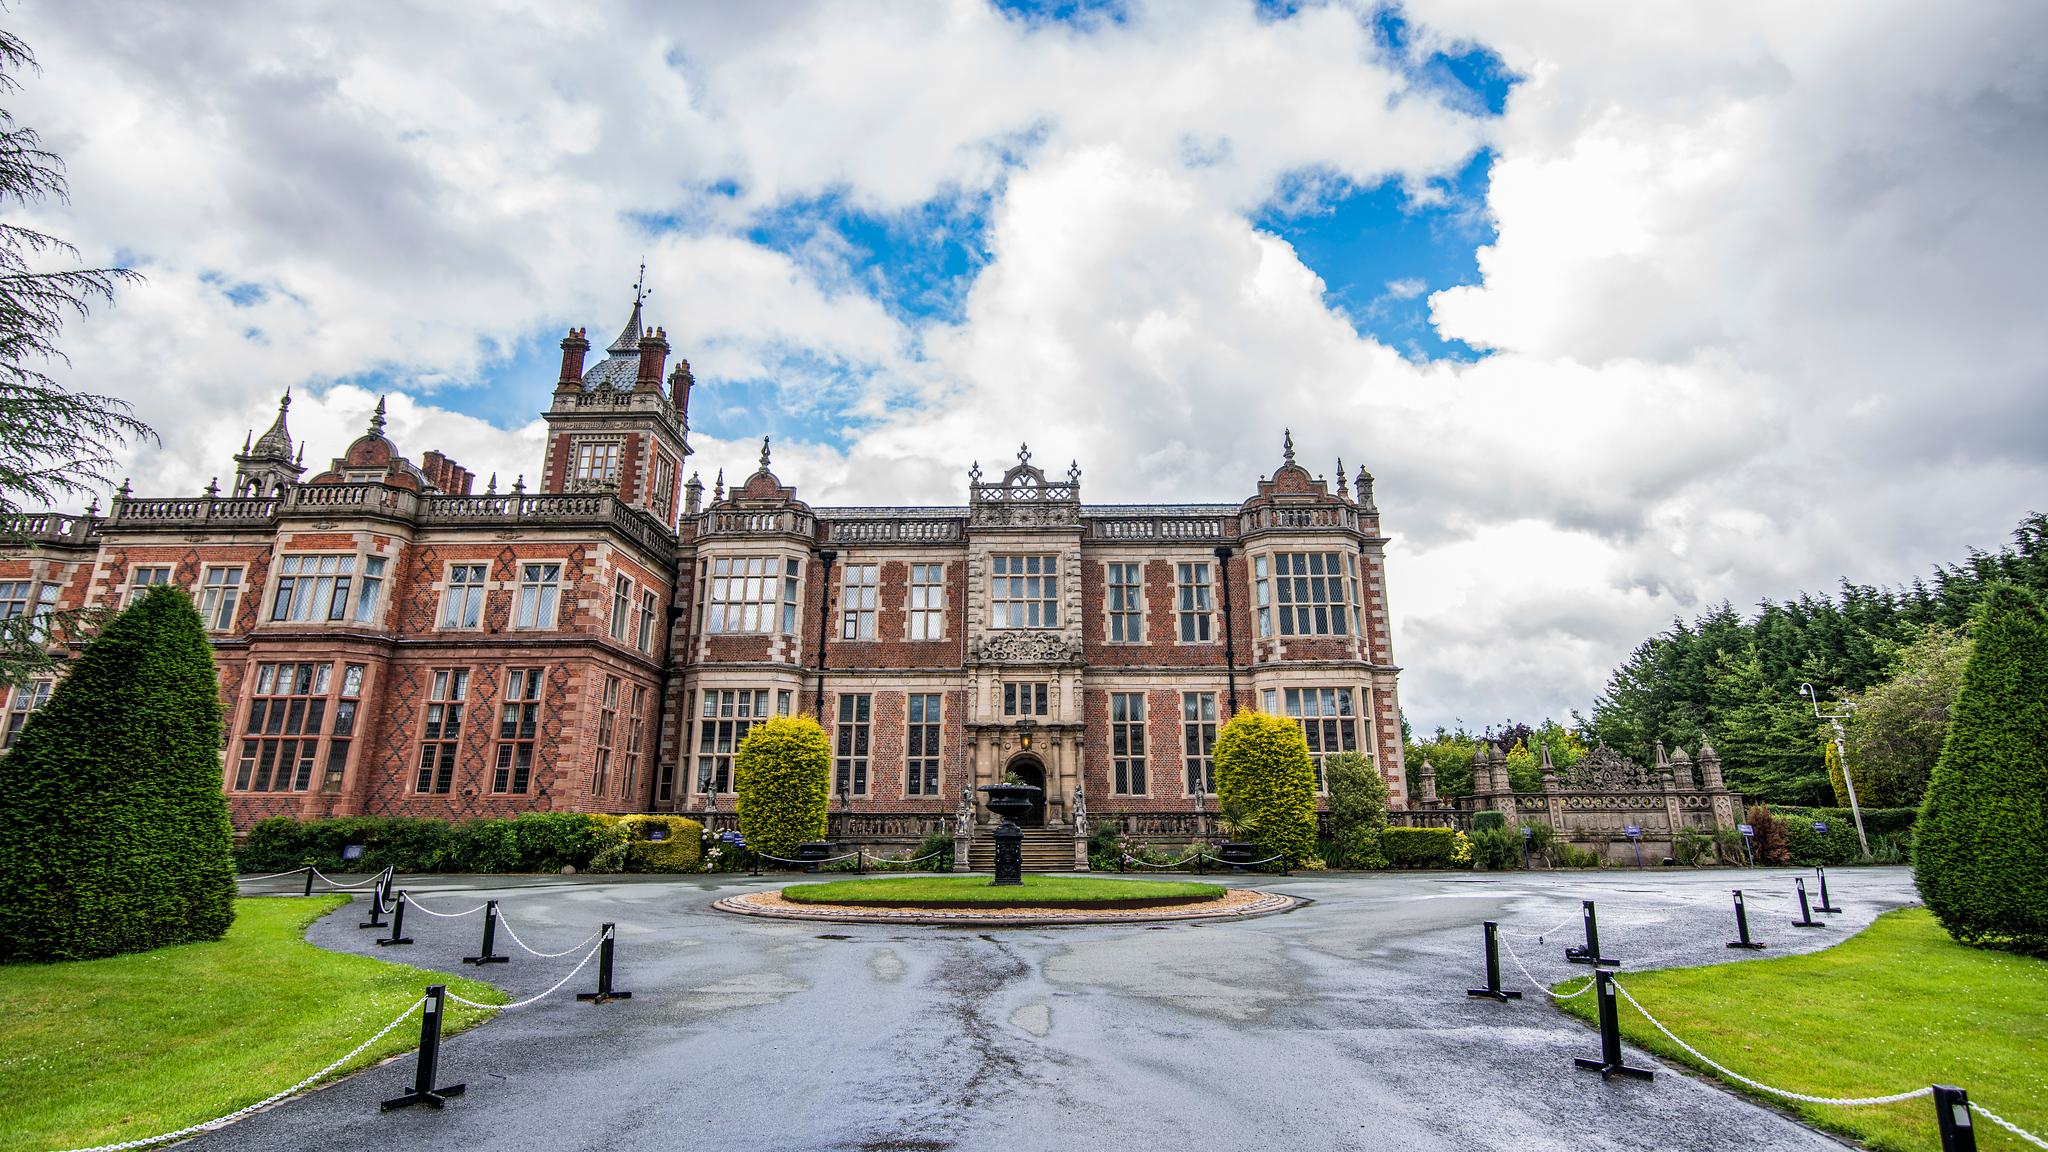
(1023, 453)
(248, 439)
(718, 487)
(286, 402)
(1074, 472)
(519, 485)
(93, 509)
(1365, 500)
(122, 494)
(764, 453)
(1287, 446)
(491, 489)
(1343, 489)
(213, 487)
(695, 482)
(377, 419)
(640, 289)
(302, 453)
(974, 473)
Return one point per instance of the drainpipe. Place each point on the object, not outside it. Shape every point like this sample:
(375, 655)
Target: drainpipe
(1223, 556)
(826, 557)
(668, 664)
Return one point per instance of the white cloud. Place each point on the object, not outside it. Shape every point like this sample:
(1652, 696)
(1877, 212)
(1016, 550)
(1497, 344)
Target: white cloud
(1764, 301)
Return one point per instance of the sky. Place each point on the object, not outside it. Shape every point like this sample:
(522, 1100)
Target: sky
(1630, 309)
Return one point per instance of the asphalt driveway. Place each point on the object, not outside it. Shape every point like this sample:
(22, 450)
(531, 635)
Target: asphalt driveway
(1341, 1025)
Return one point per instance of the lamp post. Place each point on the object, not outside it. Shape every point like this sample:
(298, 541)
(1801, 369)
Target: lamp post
(1834, 719)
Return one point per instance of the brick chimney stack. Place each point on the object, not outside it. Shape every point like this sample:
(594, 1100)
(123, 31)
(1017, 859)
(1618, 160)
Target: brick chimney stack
(653, 357)
(573, 347)
(680, 382)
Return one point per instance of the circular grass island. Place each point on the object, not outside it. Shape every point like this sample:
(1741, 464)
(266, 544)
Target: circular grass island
(1043, 898)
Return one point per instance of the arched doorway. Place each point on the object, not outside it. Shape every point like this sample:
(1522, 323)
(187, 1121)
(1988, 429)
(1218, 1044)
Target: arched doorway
(1029, 770)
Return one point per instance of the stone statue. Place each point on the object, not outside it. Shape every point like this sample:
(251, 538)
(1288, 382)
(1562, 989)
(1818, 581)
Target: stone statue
(1080, 814)
(963, 817)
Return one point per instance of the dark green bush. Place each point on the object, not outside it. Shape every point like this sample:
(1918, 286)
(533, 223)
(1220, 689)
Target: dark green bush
(1420, 847)
(1977, 852)
(1496, 847)
(1876, 821)
(783, 776)
(114, 833)
(1808, 848)
(940, 843)
(1358, 811)
(1267, 783)
(530, 842)
(1481, 821)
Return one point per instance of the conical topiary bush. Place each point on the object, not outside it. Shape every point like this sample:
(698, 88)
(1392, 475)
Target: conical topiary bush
(114, 834)
(1980, 853)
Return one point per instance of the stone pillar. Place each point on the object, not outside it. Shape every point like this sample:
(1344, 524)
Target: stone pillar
(1482, 780)
(1504, 791)
(1711, 781)
(1426, 780)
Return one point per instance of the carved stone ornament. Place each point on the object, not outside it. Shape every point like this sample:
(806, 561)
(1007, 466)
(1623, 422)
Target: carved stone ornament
(1025, 648)
(1604, 769)
(963, 817)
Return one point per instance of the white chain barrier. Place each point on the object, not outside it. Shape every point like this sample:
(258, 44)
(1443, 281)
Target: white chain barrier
(270, 875)
(414, 902)
(533, 999)
(333, 883)
(1538, 936)
(267, 1101)
(1837, 1101)
(507, 926)
(1538, 984)
(2008, 1125)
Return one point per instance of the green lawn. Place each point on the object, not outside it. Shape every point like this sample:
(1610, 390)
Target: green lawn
(1039, 891)
(99, 1051)
(1896, 1007)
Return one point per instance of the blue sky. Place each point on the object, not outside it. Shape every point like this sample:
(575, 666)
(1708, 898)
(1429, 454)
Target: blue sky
(1380, 251)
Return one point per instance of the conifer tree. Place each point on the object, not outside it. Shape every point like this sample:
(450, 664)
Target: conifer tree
(114, 833)
(1977, 854)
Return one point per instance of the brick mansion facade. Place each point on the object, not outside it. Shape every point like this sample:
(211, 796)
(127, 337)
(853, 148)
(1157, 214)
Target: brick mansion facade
(393, 642)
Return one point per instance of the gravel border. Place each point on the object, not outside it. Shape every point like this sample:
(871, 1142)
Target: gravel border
(1237, 904)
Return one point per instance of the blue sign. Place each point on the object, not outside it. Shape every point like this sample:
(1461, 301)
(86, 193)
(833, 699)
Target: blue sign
(351, 851)
(1821, 827)
(1632, 831)
(1745, 829)
(1527, 831)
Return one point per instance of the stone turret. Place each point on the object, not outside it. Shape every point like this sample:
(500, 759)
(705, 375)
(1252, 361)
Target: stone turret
(266, 465)
(1710, 768)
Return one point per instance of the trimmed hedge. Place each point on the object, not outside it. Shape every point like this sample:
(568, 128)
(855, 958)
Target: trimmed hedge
(1266, 784)
(1482, 821)
(681, 850)
(114, 833)
(1426, 848)
(782, 773)
(1808, 848)
(1876, 821)
(530, 842)
(1977, 853)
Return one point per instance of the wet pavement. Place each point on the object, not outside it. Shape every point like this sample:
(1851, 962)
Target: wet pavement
(1343, 1024)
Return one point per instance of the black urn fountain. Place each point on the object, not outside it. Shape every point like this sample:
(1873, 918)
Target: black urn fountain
(1010, 801)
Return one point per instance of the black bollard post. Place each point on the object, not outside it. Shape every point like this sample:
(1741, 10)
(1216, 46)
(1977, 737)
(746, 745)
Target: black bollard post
(1609, 1064)
(1826, 905)
(1493, 990)
(1742, 926)
(398, 935)
(376, 919)
(1121, 856)
(309, 881)
(1590, 954)
(860, 861)
(485, 955)
(423, 1090)
(604, 971)
(1199, 871)
(1806, 919)
(1952, 1119)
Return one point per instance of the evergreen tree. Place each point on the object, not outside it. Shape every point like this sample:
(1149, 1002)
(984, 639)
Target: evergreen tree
(782, 772)
(1895, 738)
(1977, 854)
(1358, 808)
(54, 443)
(1266, 784)
(114, 832)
